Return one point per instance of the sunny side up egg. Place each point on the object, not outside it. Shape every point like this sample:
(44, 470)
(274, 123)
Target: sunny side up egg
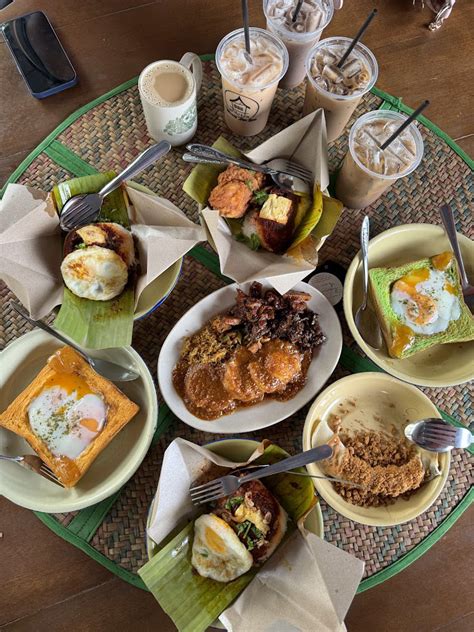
(67, 416)
(217, 551)
(425, 300)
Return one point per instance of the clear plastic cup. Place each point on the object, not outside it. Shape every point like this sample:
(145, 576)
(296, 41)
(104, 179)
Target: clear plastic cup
(297, 43)
(357, 185)
(338, 108)
(249, 90)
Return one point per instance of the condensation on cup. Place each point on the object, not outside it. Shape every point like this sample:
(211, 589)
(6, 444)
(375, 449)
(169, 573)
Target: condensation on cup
(298, 35)
(338, 90)
(367, 170)
(249, 87)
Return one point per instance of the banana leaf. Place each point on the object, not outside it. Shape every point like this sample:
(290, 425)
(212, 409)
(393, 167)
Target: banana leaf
(97, 324)
(194, 602)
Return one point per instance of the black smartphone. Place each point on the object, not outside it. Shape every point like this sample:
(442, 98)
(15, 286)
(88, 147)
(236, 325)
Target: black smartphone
(38, 54)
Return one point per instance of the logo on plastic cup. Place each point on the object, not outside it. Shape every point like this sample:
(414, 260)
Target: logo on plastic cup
(242, 108)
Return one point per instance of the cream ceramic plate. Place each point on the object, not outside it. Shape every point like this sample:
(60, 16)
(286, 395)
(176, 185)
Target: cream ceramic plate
(268, 412)
(392, 401)
(20, 362)
(442, 365)
(239, 450)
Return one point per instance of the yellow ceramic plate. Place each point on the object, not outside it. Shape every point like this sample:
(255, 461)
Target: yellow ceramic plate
(389, 401)
(442, 365)
(20, 362)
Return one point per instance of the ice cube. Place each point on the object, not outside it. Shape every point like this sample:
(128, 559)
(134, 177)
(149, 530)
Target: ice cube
(333, 74)
(351, 68)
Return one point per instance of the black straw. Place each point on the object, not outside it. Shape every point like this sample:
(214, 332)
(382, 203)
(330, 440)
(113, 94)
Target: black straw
(245, 15)
(297, 10)
(405, 124)
(362, 30)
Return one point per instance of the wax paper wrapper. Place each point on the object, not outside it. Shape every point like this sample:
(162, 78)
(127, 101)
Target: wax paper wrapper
(31, 243)
(306, 585)
(304, 142)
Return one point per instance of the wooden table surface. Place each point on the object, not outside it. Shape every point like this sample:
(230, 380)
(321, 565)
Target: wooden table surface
(46, 583)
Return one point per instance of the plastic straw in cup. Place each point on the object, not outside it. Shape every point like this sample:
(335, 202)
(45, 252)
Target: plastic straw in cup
(245, 16)
(405, 124)
(362, 30)
(297, 10)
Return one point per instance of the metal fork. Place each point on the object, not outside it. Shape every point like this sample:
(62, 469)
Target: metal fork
(281, 170)
(436, 435)
(83, 209)
(33, 463)
(226, 485)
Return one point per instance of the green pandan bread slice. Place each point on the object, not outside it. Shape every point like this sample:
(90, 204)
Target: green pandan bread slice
(402, 341)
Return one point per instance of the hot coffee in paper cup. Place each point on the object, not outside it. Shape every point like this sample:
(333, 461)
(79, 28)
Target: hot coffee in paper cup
(259, 229)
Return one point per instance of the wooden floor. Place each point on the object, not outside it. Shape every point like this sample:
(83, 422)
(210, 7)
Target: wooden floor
(47, 584)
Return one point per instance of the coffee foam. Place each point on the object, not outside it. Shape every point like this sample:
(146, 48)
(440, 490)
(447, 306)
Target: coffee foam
(147, 88)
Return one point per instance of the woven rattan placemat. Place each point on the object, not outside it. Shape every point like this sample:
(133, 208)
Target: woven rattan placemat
(109, 133)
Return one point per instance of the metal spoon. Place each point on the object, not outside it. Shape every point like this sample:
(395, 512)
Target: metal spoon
(436, 435)
(447, 217)
(107, 369)
(365, 317)
(83, 209)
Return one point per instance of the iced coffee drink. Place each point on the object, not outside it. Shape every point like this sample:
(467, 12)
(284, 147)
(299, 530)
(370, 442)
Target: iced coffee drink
(249, 83)
(298, 34)
(338, 90)
(368, 170)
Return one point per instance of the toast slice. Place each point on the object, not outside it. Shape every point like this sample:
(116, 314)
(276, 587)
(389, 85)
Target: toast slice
(401, 340)
(68, 370)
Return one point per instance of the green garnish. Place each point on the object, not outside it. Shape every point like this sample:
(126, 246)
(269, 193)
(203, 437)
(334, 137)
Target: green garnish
(83, 245)
(249, 184)
(260, 197)
(249, 534)
(253, 242)
(234, 502)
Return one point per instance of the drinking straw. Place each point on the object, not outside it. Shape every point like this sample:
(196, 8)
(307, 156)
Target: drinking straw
(406, 123)
(245, 15)
(297, 10)
(362, 30)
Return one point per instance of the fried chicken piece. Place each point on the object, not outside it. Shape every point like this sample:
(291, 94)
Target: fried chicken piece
(230, 199)
(234, 190)
(252, 179)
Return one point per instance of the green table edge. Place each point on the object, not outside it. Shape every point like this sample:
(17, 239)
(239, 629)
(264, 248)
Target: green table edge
(82, 528)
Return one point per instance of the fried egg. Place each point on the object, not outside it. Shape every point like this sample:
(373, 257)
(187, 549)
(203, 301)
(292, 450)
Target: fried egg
(67, 417)
(96, 273)
(425, 300)
(104, 233)
(217, 551)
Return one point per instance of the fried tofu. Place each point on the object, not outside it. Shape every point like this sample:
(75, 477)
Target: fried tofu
(232, 195)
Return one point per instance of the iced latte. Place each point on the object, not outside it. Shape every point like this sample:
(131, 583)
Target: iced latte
(249, 83)
(368, 170)
(299, 35)
(338, 90)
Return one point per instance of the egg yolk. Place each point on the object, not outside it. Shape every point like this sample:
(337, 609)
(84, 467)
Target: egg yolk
(90, 424)
(402, 339)
(214, 541)
(413, 278)
(450, 288)
(70, 382)
(442, 261)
